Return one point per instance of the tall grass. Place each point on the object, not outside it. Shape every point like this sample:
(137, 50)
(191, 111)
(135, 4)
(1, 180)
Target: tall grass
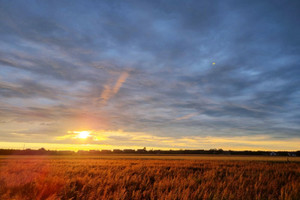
(91, 178)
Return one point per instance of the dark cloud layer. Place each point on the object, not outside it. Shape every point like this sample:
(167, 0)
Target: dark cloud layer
(146, 66)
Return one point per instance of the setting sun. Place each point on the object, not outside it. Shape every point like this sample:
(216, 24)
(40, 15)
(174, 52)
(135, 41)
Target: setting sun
(83, 134)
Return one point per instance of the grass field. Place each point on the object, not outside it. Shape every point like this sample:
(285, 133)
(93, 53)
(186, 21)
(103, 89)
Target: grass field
(149, 177)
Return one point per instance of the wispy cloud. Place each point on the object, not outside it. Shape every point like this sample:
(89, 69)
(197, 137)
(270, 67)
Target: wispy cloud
(188, 116)
(120, 82)
(109, 91)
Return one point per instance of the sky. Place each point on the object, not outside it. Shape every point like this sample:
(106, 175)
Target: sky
(156, 74)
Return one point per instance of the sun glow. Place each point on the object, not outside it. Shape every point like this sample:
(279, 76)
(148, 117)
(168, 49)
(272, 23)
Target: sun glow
(83, 134)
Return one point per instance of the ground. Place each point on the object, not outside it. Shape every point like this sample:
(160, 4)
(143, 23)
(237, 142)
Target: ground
(149, 177)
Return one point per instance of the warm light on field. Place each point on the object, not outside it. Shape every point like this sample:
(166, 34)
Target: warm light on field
(72, 177)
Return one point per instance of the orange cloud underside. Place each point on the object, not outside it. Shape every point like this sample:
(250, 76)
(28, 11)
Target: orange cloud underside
(121, 139)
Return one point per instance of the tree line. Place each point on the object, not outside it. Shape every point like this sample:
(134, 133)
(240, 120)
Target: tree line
(43, 151)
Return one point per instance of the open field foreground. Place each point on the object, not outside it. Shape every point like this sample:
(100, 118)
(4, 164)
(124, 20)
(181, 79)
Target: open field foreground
(149, 177)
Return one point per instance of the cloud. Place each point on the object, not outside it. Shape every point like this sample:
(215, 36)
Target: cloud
(188, 116)
(28, 89)
(109, 91)
(120, 82)
(120, 138)
(53, 70)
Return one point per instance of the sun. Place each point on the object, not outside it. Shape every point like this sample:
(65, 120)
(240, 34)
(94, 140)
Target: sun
(83, 134)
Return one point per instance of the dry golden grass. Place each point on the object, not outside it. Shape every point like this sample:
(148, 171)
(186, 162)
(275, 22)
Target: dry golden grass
(140, 177)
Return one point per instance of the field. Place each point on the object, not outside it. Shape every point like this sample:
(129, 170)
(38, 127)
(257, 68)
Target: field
(149, 177)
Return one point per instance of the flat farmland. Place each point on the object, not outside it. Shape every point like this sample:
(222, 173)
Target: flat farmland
(149, 177)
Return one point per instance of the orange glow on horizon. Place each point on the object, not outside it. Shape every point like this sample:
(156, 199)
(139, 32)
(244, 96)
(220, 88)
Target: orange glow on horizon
(82, 134)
